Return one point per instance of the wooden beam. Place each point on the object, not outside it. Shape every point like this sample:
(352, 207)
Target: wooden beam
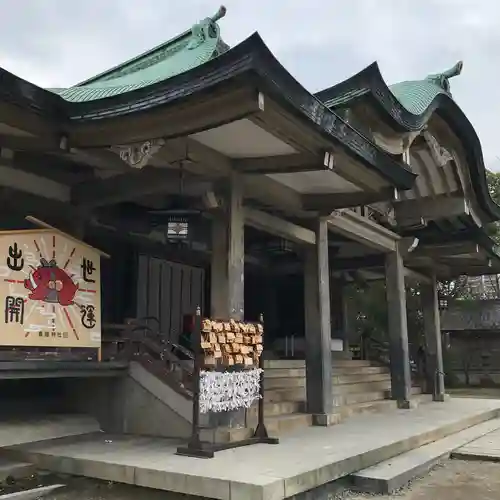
(197, 157)
(203, 160)
(278, 227)
(461, 263)
(363, 230)
(373, 261)
(327, 203)
(98, 158)
(125, 187)
(447, 250)
(428, 263)
(21, 180)
(285, 164)
(441, 207)
(31, 143)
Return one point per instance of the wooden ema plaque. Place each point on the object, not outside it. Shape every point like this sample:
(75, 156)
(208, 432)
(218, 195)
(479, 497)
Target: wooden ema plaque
(231, 343)
(225, 343)
(50, 290)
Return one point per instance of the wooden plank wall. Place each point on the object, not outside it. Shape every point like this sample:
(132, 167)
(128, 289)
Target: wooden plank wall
(168, 291)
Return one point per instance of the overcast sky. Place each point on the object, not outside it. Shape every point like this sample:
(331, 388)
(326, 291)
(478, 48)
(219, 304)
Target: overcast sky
(56, 43)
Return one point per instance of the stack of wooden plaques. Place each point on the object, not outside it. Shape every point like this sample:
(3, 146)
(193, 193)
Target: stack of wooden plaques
(231, 342)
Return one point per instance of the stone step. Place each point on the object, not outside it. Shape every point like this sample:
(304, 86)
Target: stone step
(300, 363)
(276, 425)
(285, 383)
(359, 370)
(284, 373)
(342, 394)
(383, 385)
(15, 470)
(359, 398)
(486, 448)
(360, 378)
(282, 424)
(393, 474)
(415, 390)
(283, 363)
(285, 394)
(278, 408)
(377, 405)
(225, 434)
(337, 372)
(337, 380)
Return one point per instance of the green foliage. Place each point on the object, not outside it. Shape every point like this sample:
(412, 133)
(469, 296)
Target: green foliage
(494, 188)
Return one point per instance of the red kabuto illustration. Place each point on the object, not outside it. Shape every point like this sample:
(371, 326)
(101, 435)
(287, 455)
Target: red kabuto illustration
(50, 283)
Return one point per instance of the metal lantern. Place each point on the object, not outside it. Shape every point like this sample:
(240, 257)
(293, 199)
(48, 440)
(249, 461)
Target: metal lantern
(178, 214)
(177, 227)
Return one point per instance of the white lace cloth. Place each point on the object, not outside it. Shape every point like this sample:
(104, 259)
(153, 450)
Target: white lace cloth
(226, 391)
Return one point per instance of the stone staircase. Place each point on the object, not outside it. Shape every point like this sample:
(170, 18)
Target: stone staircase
(358, 387)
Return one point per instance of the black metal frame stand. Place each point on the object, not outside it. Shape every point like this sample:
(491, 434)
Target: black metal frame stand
(195, 447)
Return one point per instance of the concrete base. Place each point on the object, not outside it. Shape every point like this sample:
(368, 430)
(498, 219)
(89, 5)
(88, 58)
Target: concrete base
(440, 398)
(325, 419)
(303, 461)
(391, 475)
(404, 404)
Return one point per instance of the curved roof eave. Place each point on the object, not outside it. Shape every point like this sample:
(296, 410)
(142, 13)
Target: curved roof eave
(369, 82)
(254, 64)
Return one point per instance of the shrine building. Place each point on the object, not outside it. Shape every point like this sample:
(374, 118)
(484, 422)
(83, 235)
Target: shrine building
(203, 178)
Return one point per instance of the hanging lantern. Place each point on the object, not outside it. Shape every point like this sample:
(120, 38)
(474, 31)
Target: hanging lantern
(178, 215)
(177, 227)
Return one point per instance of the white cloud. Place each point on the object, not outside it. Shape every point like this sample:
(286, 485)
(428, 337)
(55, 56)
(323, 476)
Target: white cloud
(57, 43)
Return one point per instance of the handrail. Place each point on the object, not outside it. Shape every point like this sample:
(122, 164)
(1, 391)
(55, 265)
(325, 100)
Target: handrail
(153, 351)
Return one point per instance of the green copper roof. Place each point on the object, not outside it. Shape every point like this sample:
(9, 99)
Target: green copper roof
(416, 96)
(194, 47)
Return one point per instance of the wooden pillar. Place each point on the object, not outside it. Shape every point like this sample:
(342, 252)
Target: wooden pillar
(398, 330)
(433, 351)
(228, 255)
(318, 329)
(227, 273)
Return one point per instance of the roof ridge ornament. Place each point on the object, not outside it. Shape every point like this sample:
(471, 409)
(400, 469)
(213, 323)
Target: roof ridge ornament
(442, 79)
(206, 28)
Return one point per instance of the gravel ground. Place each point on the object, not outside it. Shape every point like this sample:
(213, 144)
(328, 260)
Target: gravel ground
(452, 480)
(80, 488)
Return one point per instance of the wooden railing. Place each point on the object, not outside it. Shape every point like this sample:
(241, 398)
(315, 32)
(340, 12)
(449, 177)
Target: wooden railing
(137, 340)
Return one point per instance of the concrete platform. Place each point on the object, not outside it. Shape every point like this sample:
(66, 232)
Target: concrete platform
(391, 475)
(486, 448)
(18, 431)
(301, 462)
